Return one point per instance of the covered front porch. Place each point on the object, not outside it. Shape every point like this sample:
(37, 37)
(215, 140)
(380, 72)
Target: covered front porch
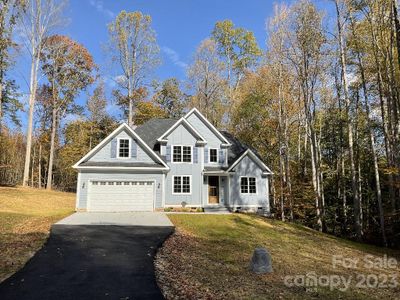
(215, 189)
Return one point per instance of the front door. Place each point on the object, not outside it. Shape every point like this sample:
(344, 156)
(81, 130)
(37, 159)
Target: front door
(213, 189)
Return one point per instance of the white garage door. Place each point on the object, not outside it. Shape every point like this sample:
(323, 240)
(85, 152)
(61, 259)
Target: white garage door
(121, 196)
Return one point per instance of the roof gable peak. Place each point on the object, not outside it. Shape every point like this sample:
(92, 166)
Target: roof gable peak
(208, 124)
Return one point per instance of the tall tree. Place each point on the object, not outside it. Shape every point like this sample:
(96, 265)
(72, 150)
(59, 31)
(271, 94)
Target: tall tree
(96, 105)
(170, 97)
(238, 47)
(68, 67)
(39, 19)
(9, 12)
(341, 21)
(207, 82)
(134, 48)
(304, 50)
(284, 94)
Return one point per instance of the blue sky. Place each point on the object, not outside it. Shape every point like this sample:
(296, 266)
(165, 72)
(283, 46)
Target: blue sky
(180, 26)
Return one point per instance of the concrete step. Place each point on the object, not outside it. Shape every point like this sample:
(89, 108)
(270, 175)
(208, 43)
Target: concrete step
(216, 209)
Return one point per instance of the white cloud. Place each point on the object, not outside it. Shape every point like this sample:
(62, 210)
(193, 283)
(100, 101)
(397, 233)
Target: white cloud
(101, 9)
(174, 57)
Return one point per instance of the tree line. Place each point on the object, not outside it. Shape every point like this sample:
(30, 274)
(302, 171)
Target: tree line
(320, 102)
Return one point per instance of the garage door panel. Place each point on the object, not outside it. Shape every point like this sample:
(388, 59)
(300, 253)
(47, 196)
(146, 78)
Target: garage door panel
(121, 196)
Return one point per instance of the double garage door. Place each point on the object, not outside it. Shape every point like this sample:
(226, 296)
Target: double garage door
(116, 196)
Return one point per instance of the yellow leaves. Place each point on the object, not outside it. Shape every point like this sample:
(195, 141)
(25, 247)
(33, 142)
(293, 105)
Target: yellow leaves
(146, 111)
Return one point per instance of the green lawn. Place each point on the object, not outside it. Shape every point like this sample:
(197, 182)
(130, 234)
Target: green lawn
(25, 218)
(208, 257)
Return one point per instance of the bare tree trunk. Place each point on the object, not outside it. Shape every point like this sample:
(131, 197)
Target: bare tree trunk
(33, 166)
(397, 28)
(315, 176)
(40, 167)
(52, 146)
(32, 98)
(387, 140)
(357, 204)
(1, 102)
(373, 149)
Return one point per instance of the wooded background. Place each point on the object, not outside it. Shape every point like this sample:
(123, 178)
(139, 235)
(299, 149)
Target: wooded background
(320, 102)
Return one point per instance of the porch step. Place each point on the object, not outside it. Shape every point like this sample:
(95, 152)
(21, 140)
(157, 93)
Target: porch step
(217, 209)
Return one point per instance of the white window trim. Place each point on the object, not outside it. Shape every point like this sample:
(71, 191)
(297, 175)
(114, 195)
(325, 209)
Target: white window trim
(190, 184)
(130, 148)
(209, 156)
(181, 162)
(248, 185)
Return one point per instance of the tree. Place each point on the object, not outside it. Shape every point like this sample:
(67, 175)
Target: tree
(78, 135)
(303, 49)
(238, 47)
(39, 18)
(96, 106)
(97, 103)
(341, 27)
(170, 97)
(133, 46)
(207, 82)
(68, 67)
(9, 104)
(146, 111)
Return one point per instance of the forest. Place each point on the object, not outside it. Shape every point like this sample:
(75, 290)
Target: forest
(319, 100)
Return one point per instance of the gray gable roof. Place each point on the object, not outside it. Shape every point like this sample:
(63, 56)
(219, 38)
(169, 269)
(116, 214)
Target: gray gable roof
(236, 149)
(153, 129)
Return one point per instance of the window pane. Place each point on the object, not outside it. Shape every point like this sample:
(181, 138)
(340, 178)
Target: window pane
(186, 184)
(252, 185)
(187, 153)
(123, 148)
(177, 184)
(177, 154)
(244, 187)
(213, 155)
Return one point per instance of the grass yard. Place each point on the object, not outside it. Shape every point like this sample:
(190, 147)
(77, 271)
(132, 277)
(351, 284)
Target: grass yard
(208, 258)
(25, 218)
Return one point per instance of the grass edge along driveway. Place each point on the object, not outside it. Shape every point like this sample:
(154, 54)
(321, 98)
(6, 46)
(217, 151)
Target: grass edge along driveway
(26, 215)
(208, 258)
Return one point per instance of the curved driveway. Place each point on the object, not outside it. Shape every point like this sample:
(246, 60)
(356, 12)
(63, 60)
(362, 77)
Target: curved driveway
(91, 261)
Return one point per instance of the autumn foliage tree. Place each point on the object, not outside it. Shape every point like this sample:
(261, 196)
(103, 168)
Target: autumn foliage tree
(69, 68)
(134, 50)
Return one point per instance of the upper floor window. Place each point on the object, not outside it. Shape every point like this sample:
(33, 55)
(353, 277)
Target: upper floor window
(182, 154)
(213, 155)
(123, 148)
(248, 185)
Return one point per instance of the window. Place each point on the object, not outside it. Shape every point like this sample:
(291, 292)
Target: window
(248, 185)
(182, 154)
(181, 185)
(123, 148)
(213, 155)
(177, 156)
(186, 154)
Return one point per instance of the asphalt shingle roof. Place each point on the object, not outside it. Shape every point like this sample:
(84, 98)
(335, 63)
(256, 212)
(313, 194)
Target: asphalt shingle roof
(236, 149)
(153, 129)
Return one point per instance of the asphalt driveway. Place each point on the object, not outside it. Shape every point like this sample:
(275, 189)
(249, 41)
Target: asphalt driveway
(89, 261)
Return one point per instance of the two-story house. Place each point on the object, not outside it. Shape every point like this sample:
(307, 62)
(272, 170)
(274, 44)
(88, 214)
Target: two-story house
(171, 163)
